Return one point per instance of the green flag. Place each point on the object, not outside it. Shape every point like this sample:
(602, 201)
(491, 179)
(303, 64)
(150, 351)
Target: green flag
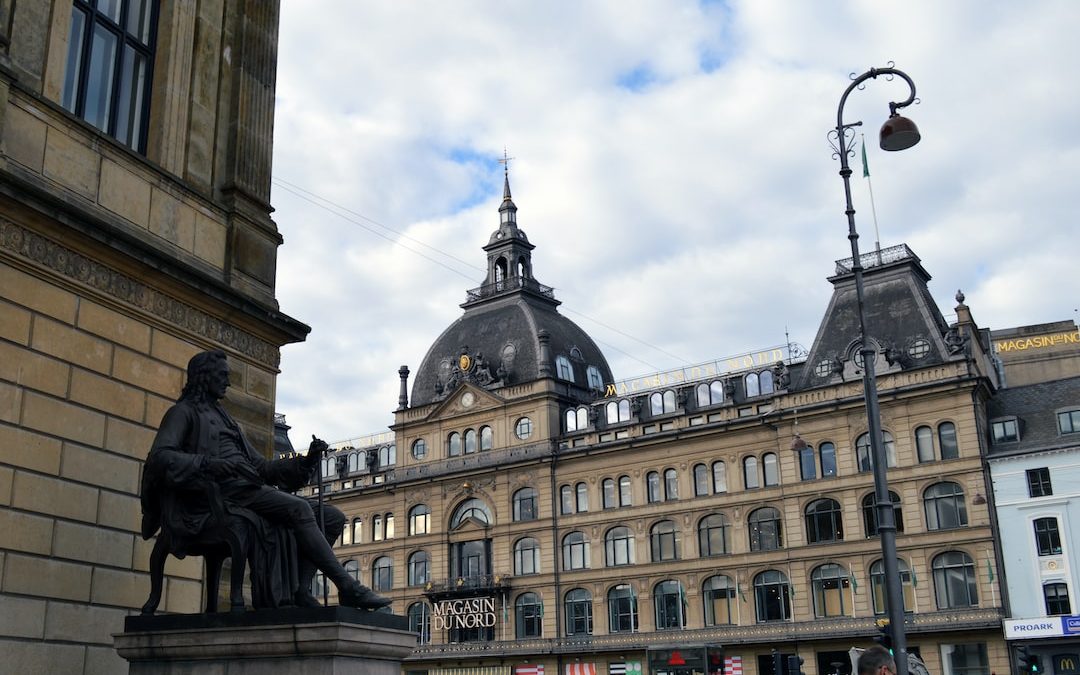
(865, 166)
(854, 582)
(914, 577)
(990, 570)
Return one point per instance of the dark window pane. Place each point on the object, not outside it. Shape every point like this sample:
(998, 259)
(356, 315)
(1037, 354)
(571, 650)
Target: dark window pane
(138, 20)
(101, 73)
(74, 59)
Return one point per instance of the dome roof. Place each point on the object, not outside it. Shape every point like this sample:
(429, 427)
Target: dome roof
(511, 331)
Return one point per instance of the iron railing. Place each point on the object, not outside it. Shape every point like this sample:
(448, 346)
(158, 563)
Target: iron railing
(509, 284)
(877, 258)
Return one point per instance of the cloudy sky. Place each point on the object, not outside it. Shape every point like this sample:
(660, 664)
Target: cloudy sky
(671, 167)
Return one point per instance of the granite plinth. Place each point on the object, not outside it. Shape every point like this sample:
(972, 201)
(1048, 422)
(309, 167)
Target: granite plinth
(300, 641)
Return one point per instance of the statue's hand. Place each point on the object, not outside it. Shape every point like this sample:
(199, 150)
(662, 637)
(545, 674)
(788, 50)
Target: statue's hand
(223, 468)
(315, 451)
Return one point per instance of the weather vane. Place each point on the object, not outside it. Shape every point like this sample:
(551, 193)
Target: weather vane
(505, 161)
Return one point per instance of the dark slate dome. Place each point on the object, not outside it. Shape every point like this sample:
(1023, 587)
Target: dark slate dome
(511, 331)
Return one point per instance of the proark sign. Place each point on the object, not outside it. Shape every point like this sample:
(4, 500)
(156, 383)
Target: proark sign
(1050, 626)
(467, 613)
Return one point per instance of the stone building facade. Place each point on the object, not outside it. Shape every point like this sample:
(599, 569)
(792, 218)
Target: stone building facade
(135, 230)
(531, 511)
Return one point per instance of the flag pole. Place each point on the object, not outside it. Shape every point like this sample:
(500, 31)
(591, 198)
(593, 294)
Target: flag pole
(873, 209)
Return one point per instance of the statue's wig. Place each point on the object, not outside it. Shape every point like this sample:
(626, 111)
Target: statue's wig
(199, 369)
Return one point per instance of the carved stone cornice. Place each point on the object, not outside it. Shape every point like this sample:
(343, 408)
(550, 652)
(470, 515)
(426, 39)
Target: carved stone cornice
(80, 269)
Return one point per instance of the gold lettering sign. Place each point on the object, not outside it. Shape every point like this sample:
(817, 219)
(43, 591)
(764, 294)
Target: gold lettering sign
(701, 371)
(1038, 342)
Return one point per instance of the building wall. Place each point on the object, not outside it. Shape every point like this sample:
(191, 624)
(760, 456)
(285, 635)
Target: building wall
(1038, 353)
(834, 413)
(115, 268)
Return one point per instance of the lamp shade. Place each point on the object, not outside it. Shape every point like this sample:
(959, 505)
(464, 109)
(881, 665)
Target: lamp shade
(898, 133)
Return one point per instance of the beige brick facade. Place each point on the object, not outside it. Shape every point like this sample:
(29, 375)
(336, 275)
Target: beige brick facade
(95, 334)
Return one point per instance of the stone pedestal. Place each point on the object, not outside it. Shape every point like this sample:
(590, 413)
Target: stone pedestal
(323, 641)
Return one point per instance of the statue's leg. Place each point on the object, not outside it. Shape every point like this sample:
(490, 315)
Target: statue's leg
(213, 580)
(333, 524)
(294, 512)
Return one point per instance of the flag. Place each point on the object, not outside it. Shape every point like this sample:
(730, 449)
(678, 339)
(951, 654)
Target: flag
(541, 611)
(529, 670)
(990, 570)
(738, 589)
(865, 166)
(581, 669)
(854, 582)
(733, 665)
(625, 668)
(914, 577)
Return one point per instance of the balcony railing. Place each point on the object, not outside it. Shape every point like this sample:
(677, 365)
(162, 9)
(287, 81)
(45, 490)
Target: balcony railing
(471, 585)
(509, 284)
(877, 258)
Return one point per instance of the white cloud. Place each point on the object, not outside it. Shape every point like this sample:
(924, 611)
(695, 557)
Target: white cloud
(672, 169)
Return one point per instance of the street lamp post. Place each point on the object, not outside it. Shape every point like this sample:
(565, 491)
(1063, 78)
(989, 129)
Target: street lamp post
(898, 133)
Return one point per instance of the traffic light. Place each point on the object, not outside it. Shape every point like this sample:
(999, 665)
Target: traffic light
(794, 665)
(1026, 662)
(777, 663)
(884, 636)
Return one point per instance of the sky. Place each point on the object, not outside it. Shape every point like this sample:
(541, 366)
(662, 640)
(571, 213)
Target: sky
(670, 162)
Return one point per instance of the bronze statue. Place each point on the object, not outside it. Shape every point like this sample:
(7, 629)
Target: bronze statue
(199, 443)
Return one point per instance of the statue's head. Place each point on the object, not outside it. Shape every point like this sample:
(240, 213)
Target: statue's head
(207, 377)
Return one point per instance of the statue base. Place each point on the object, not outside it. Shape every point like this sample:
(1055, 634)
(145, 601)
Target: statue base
(296, 641)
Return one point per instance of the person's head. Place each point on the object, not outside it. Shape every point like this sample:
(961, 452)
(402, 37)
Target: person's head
(207, 377)
(877, 661)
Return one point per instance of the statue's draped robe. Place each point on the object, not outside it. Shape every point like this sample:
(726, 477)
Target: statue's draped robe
(174, 496)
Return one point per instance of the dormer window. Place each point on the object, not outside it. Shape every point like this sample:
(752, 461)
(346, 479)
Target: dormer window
(595, 380)
(1069, 421)
(1005, 430)
(577, 419)
(563, 368)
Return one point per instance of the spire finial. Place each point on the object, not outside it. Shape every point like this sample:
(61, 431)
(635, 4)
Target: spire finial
(505, 161)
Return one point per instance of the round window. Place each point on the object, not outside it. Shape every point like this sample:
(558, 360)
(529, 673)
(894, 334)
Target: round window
(919, 348)
(523, 428)
(824, 368)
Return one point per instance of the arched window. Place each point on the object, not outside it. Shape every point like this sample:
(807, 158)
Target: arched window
(671, 485)
(771, 468)
(954, 581)
(661, 403)
(578, 606)
(752, 385)
(765, 381)
(575, 548)
(357, 530)
(766, 533)
(710, 393)
(823, 521)
(526, 556)
(947, 440)
(1056, 598)
(354, 462)
(529, 615)
(571, 420)
(944, 506)
(487, 438)
(582, 492)
(714, 532)
(419, 519)
(669, 604)
(352, 568)
(564, 369)
(329, 467)
(1047, 536)
(750, 473)
(827, 452)
(719, 477)
(453, 444)
(595, 380)
(470, 441)
(625, 496)
(419, 564)
(618, 411)
(664, 541)
(924, 444)
(346, 536)
(718, 597)
(870, 516)
(525, 504)
(652, 486)
(566, 500)
(701, 480)
(864, 457)
(471, 508)
(830, 585)
(877, 585)
(807, 462)
(669, 599)
(419, 451)
(376, 528)
(382, 574)
(622, 609)
(420, 621)
(388, 455)
(607, 494)
(388, 525)
(619, 546)
(772, 596)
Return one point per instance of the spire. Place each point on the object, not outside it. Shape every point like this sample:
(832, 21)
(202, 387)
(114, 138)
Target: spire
(507, 211)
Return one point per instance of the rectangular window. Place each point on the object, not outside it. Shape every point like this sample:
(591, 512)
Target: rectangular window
(965, 659)
(1005, 431)
(1047, 536)
(1069, 421)
(109, 65)
(1039, 482)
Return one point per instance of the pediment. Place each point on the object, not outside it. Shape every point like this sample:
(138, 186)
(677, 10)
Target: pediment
(471, 525)
(467, 398)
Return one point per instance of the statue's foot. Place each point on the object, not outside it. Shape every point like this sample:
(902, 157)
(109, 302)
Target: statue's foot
(360, 596)
(305, 599)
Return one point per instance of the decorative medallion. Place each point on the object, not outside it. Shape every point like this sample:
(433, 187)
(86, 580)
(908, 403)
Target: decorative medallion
(464, 363)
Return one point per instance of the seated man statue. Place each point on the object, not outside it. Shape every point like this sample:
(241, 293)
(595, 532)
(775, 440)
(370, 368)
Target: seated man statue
(198, 442)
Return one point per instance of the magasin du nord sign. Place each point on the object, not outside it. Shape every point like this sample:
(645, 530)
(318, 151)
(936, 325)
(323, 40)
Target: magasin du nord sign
(467, 613)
